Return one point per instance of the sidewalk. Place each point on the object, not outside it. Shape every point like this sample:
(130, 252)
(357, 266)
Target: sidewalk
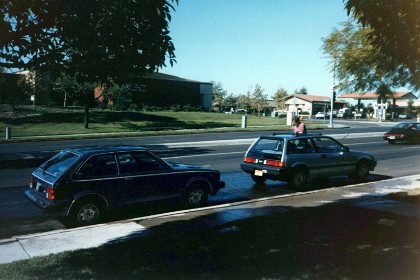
(366, 195)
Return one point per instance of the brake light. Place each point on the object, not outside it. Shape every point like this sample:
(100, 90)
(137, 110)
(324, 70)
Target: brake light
(50, 193)
(275, 163)
(30, 182)
(250, 160)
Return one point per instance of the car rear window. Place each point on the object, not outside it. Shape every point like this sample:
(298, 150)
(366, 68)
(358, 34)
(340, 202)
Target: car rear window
(268, 144)
(59, 163)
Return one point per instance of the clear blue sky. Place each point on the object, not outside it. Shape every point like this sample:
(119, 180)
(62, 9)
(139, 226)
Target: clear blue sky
(241, 43)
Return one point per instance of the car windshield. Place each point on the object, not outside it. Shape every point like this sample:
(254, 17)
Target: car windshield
(268, 144)
(59, 163)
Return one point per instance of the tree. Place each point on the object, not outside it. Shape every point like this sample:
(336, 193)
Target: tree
(303, 90)
(395, 33)
(95, 41)
(66, 90)
(218, 95)
(244, 101)
(231, 101)
(279, 98)
(259, 99)
(355, 63)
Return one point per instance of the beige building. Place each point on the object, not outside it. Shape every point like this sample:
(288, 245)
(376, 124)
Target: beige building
(304, 104)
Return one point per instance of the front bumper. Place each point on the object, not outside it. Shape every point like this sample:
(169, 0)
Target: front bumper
(218, 186)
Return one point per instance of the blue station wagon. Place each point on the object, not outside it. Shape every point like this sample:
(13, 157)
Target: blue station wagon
(295, 159)
(83, 184)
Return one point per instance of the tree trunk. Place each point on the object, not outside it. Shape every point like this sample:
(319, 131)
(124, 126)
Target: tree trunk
(86, 119)
(87, 104)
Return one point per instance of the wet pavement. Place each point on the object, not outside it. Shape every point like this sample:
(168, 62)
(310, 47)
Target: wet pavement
(372, 195)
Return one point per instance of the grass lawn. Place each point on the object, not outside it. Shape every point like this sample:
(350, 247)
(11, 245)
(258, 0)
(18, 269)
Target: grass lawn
(26, 121)
(329, 242)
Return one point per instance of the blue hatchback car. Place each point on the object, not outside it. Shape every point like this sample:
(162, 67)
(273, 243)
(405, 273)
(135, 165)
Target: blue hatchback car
(83, 184)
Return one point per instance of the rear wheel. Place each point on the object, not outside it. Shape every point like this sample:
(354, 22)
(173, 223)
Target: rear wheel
(87, 213)
(298, 179)
(391, 141)
(258, 179)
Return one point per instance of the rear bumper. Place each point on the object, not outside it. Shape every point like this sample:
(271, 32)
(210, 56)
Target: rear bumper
(395, 137)
(48, 207)
(269, 172)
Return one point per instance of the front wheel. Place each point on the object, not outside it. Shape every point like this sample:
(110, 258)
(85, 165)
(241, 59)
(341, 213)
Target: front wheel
(362, 171)
(298, 179)
(196, 197)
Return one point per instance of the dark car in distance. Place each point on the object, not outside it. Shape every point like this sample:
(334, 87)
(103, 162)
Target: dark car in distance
(404, 132)
(83, 184)
(296, 158)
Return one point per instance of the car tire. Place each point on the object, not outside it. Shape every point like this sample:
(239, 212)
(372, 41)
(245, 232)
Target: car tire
(258, 179)
(361, 172)
(298, 179)
(196, 196)
(391, 141)
(86, 213)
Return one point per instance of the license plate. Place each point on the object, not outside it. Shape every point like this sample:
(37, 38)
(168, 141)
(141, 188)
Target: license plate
(391, 137)
(258, 172)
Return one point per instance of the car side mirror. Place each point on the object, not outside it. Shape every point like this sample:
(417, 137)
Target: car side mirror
(346, 149)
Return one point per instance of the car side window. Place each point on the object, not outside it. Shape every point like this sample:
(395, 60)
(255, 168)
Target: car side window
(138, 162)
(98, 166)
(300, 146)
(327, 145)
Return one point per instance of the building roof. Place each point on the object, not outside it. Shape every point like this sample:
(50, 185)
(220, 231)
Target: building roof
(374, 95)
(313, 98)
(162, 76)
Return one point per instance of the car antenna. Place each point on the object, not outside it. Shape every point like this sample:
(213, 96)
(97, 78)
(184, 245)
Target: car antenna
(348, 133)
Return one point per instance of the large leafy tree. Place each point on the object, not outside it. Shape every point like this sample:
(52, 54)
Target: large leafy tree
(356, 64)
(96, 41)
(394, 33)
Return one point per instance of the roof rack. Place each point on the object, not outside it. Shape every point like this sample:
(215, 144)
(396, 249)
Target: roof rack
(298, 134)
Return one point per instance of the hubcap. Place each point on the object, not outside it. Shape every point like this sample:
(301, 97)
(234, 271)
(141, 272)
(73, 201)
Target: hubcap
(88, 213)
(196, 197)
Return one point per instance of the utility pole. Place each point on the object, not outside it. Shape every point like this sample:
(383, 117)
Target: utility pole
(332, 97)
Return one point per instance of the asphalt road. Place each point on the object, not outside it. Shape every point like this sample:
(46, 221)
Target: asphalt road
(219, 151)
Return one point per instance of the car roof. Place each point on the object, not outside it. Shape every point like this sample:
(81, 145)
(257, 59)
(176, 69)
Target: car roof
(105, 149)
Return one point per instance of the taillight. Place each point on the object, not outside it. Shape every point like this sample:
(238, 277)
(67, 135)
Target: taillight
(250, 160)
(275, 163)
(50, 193)
(30, 182)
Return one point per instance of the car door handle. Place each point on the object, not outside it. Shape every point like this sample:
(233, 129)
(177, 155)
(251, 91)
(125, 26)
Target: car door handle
(129, 179)
(323, 156)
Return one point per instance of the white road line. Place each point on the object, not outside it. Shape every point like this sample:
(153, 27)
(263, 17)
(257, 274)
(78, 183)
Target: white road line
(206, 155)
